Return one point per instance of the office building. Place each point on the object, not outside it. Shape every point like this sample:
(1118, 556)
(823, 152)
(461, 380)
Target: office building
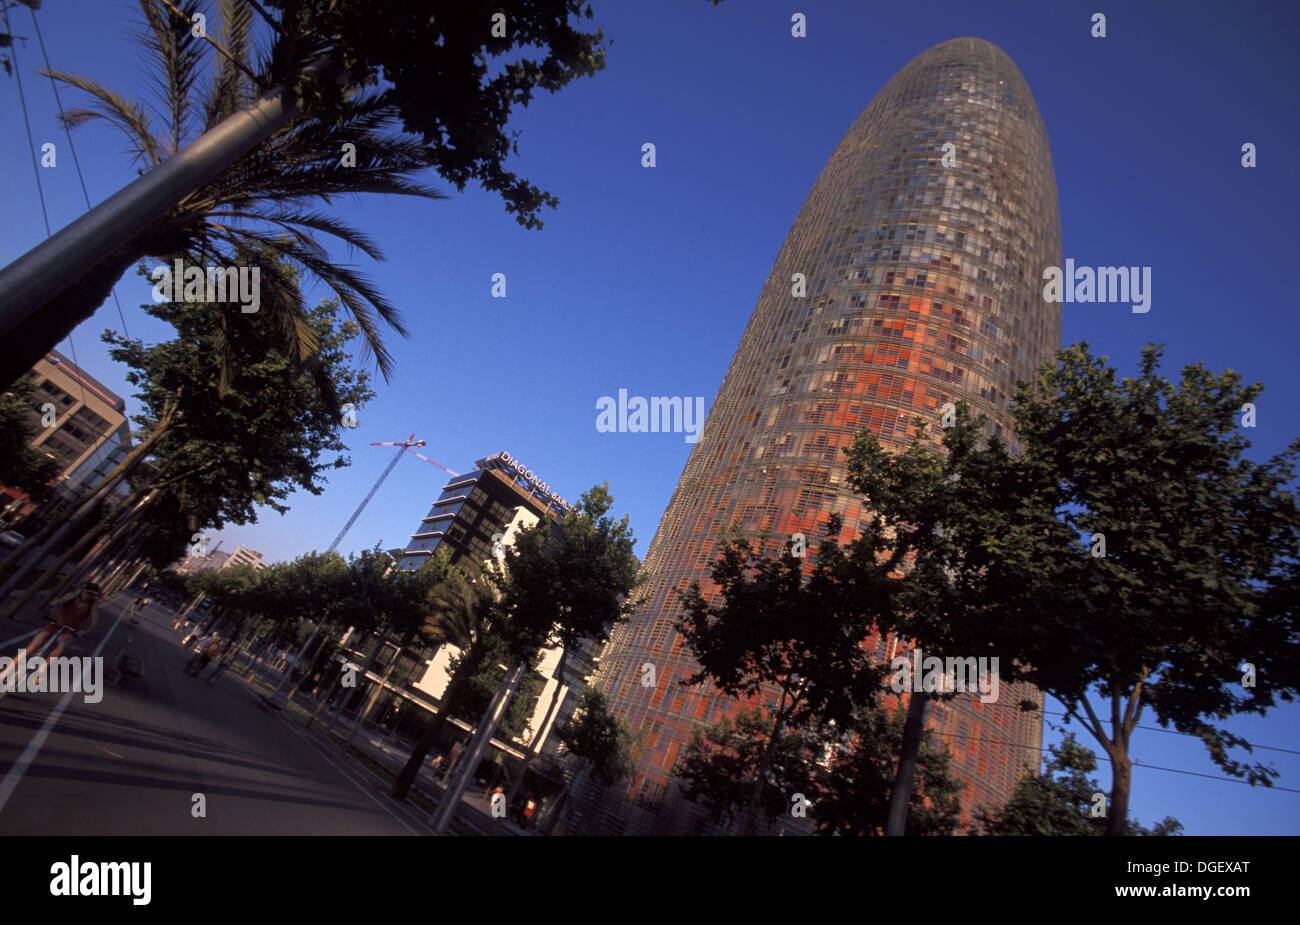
(78, 421)
(911, 278)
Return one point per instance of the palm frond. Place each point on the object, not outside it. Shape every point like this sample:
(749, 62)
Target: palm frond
(129, 118)
(171, 42)
(314, 220)
(354, 290)
(456, 610)
(231, 90)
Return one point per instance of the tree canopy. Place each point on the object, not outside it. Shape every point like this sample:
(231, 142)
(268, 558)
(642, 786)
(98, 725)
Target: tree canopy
(454, 71)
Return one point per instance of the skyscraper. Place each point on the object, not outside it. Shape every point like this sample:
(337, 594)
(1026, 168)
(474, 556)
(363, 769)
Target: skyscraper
(911, 277)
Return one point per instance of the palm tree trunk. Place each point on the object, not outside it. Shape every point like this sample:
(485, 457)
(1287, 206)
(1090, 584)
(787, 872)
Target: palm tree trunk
(140, 565)
(483, 733)
(31, 338)
(40, 308)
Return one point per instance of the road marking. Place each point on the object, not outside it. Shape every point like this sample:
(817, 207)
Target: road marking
(15, 775)
(9, 642)
(345, 773)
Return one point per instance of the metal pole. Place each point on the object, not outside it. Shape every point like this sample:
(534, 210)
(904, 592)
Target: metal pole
(487, 727)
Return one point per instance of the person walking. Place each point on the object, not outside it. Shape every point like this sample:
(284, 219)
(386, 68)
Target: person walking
(207, 652)
(228, 657)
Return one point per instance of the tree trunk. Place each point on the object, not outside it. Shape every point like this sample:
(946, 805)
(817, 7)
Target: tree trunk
(365, 669)
(119, 565)
(374, 698)
(761, 772)
(901, 795)
(256, 659)
(183, 616)
(52, 572)
(305, 660)
(120, 530)
(1121, 785)
(126, 583)
(39, 545)
(325, 695)
(450, 701)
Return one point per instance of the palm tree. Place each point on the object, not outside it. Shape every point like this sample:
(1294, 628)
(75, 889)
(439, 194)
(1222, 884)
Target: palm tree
(459, 611)
(263, 204)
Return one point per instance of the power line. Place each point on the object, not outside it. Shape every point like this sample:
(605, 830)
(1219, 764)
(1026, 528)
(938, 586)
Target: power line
(54, 85)
(1153, 767)
(36, 168)
(1271, 748)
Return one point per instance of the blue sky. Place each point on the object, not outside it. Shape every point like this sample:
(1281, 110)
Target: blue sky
(643, 279)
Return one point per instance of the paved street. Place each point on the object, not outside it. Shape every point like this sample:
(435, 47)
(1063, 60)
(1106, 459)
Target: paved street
(131, 763)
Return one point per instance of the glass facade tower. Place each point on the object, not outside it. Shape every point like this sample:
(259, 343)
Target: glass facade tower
(911, 277)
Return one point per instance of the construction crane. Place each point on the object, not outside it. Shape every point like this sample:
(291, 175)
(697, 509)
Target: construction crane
(403, 447)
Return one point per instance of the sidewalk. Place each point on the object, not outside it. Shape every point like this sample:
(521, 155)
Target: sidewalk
(373, 753)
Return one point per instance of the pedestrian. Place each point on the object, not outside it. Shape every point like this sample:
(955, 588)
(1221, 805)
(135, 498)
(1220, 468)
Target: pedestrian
(456, 749)
(206, 653)
(224, 663)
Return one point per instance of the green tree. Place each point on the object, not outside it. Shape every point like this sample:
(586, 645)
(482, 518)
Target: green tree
(460, 611)
(442, 69)
(926, 568)
(773, 632)
(564, 585)
(722, 764)
(1059, 801)
(853, 796)
(454, 72)
(23, 466)
(1150, 563)
(232, 447)
(482, 685)
(379, 598)
(218, 456)
(596, 736)
(598, 742)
